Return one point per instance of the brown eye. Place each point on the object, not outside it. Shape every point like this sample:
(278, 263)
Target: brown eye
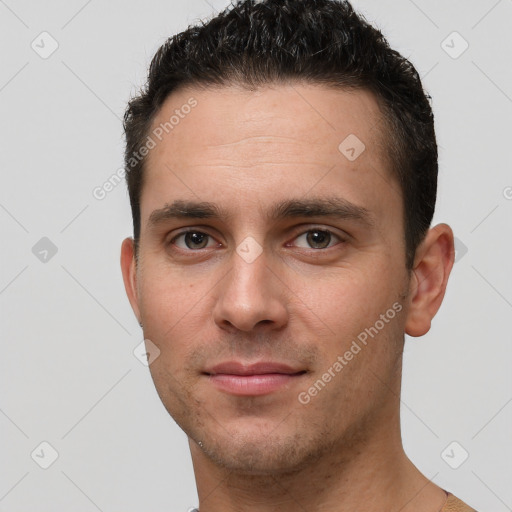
(192, 240)
(317, 239)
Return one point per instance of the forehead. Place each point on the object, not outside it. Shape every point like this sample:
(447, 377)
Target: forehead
(233, 115)
(228, 143)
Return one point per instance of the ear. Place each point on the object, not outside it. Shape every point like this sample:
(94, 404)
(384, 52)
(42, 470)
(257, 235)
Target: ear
(129, 271)
(432, 266)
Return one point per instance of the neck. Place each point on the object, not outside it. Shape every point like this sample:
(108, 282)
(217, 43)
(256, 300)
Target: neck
(373, 475)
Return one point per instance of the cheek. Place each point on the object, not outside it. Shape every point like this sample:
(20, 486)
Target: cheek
(348, 299)
(167, 296)
(362, 316)
(173, 320)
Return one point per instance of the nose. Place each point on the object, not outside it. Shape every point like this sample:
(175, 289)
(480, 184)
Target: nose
(251, 297)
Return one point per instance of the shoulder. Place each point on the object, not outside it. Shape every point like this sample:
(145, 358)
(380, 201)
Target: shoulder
(453, 504)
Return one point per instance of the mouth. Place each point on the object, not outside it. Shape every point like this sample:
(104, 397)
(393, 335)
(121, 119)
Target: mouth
(261, 378)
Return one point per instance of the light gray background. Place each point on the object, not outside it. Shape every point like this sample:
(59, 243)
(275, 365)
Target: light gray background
(68, 373)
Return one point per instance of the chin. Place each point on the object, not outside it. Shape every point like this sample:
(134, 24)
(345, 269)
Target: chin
(261, 454)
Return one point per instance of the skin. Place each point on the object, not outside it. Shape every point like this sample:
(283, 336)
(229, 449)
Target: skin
(302, 301)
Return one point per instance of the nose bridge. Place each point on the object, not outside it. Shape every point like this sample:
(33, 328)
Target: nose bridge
(250, 295)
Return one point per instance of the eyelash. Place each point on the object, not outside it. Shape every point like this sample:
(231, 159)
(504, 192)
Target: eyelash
(314, 229)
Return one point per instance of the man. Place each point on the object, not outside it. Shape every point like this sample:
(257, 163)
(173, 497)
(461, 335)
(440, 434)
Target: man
(282, 171)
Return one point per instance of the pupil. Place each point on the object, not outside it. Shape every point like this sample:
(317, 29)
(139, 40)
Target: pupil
(321, 238)
(195, 239)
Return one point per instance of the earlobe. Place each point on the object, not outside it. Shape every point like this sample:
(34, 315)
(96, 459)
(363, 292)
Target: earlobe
(129, 271)
(432, 267)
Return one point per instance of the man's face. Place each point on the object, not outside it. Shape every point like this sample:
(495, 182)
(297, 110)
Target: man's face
(272, 278)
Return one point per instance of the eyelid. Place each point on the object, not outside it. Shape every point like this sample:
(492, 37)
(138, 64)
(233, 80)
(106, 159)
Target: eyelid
(301, 230)
(203, 231)
(298, 231)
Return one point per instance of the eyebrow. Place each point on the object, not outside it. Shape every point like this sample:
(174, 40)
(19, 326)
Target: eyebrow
(334, 207)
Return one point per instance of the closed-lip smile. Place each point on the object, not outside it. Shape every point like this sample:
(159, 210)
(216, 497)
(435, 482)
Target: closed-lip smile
(252, 379)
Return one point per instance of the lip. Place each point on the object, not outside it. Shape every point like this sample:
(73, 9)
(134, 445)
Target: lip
(255, 379)
(260, 368)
